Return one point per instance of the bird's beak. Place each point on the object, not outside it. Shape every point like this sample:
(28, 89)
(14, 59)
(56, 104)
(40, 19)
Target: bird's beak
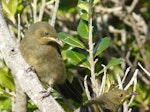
(133, 93)
(57, 40)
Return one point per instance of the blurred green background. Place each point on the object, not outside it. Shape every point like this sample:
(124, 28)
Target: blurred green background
(118, 44)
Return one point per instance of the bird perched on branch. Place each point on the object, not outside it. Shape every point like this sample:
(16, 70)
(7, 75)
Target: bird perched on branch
(108, 102)
(40, 49)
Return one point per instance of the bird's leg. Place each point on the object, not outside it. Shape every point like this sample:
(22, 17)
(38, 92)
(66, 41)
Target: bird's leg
(47, 92)
(31, 68)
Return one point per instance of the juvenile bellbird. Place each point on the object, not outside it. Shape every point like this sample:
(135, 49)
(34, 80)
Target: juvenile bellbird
(108, 102)
(40, 49)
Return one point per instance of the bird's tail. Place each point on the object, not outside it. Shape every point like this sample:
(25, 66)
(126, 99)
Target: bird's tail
(91, 106)
(69, 91)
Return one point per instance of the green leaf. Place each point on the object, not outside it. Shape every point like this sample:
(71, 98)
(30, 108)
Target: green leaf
(83, 9)
(9, 13)
(103, 45)
(83, 14)
(77, 58)
(71, 40)
(12, 4)
(114, 62)
(5, 80)
(83, 5)
(5, 103)
(95, 2)
(83, 29)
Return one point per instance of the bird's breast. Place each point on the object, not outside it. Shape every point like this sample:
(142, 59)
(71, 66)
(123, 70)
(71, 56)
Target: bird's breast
(50, 66)
(47, 62)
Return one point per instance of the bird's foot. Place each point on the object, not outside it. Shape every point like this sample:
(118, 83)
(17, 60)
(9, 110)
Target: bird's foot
(31, 68)
(46, 93)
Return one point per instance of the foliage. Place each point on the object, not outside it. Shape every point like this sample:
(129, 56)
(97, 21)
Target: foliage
(120, 39)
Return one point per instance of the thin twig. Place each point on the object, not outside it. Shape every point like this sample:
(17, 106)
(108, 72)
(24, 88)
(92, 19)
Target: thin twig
(143, 78)
(103, 84)
(110, 10)
(55, 13)
(140, 44)
(120, 82)
(134, 89)
(125, 107)
(86, 88)
(91, 46)
(131, 8)
(125, 75)
(132, 79)
(41, 10)
(34, 5)
(144, 69)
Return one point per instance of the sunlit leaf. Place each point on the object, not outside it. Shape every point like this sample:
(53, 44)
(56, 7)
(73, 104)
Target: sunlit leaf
(5, 80)
(12, 4)
(83, 29)
(83, 9)
(7, 11)
(112, 62)
(5, 103)
(83, 5)
(102, 45)
(77, 58)
(72, 41)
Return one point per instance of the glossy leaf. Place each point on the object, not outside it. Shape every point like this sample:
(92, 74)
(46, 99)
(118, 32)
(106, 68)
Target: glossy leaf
(112, 62)
(8, 13)
(83, 29)
(83, 14)
(5, 80)
(83, 5)
(77, 58)
(12, 4)
(95, 2)
(83, 9)
(71, 40)
(103, 45)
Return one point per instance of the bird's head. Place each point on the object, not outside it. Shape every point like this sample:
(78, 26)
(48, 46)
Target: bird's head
(118, 96)
(43, 33)
(113, 99)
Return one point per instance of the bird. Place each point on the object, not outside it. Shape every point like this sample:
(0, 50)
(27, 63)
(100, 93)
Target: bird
(40, 49)
(110, 101)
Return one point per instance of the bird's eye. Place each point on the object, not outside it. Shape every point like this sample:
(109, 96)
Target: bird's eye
(121, 95)
(46, 33)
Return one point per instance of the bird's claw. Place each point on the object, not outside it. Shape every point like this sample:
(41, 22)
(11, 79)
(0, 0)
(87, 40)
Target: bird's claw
(45, 93)
(31, 68)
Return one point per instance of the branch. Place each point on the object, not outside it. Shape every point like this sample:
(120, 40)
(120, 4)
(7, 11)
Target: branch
(55, 12)
(91, 47)
(34, 6)
(138, 39)
(143, 69)
(86, 88)
(132, 79)
(27, 79)
(41, 10)
(103, 84)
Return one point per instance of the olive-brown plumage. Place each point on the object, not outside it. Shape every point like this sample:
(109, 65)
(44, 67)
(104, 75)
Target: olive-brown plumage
(108, 102)
(40, 49)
